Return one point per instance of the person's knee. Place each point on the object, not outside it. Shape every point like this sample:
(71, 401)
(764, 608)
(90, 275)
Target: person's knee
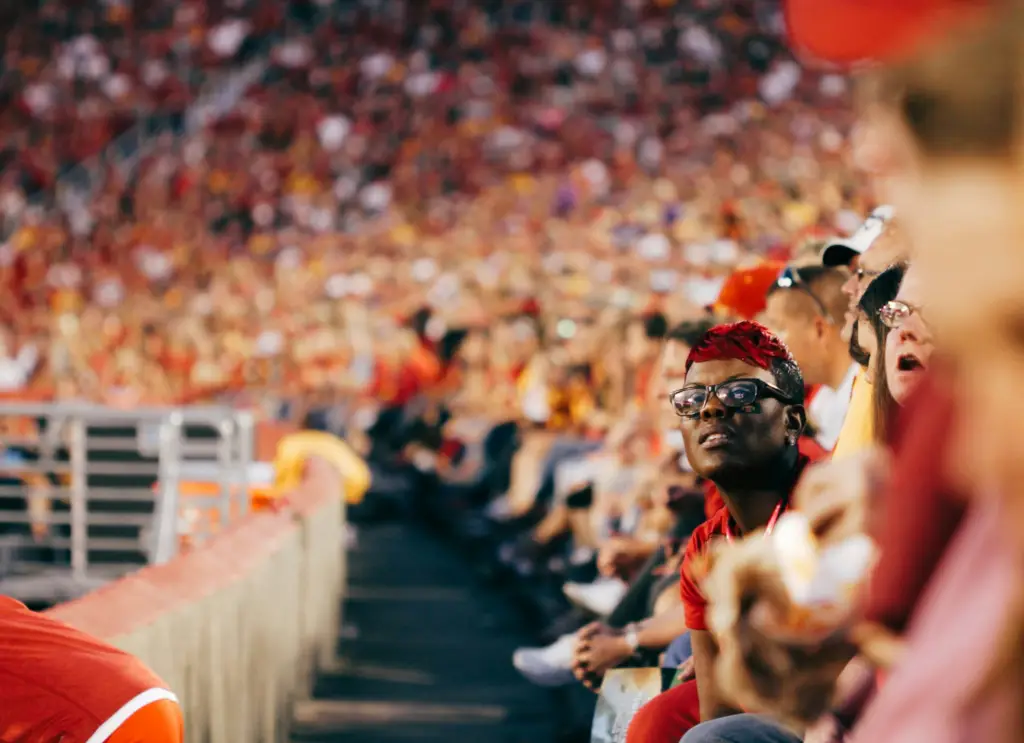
(666, 717)
(707, 732)
(678, 651)
(648, 725)
(743, 728)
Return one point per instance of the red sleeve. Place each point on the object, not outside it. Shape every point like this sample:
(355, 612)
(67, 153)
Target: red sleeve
(694, 603)
(918, 514)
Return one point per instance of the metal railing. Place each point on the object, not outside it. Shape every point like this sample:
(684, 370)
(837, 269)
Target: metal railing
(89, 493)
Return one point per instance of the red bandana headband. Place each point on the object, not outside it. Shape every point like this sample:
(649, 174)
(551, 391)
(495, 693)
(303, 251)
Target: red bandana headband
(745, 341)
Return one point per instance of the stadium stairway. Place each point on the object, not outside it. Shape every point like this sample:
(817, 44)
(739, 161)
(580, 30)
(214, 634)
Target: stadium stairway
(424, 654)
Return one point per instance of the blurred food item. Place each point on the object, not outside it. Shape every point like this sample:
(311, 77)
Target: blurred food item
(819, 580)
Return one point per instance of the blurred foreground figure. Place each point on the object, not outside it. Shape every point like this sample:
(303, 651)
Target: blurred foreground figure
(59, 684)
(947, 143)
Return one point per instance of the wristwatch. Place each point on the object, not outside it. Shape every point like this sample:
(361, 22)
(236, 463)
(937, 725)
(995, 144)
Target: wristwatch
(632, 636)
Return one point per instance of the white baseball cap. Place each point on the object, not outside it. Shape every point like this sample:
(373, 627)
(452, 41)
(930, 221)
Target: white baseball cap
(841, 251)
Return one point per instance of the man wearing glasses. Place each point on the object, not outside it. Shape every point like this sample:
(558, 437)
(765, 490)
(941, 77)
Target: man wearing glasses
(806, 308)
(876, 245)
(741, 414)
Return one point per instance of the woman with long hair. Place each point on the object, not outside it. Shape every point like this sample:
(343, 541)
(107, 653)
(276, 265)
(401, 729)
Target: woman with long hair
(873, 335)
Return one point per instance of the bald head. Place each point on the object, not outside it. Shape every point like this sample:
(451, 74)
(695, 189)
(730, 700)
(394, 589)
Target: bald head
(818, 291)
(807, 314)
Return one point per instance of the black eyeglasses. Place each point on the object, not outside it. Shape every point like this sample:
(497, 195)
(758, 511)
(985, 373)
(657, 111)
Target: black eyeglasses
(790, 278)
(734, 394)
(896, 312)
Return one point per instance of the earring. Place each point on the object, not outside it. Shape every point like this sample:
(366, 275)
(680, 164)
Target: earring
(791, 438)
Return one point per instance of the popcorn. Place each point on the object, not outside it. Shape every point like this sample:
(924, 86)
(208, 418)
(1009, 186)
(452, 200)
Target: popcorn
(818, 581)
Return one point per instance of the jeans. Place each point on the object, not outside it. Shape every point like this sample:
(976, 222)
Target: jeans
(678, 652)
(740, 729)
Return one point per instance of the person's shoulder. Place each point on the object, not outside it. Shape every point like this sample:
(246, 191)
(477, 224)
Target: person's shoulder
(811, 450)
(711, 528)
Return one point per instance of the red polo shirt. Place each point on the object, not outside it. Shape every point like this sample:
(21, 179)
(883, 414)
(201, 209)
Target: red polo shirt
(694, 603)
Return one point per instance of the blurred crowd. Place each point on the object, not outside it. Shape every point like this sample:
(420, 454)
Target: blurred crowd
(469, 159)
(604, 291)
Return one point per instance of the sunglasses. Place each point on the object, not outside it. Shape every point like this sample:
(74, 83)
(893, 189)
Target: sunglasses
(862, 274)
(736, 394)
(895, 313)
(790, 278)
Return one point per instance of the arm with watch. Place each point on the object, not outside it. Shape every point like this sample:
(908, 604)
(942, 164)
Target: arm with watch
(600, 648)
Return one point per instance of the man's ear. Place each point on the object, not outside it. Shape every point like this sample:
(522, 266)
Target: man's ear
(821, 326)
(796, 419)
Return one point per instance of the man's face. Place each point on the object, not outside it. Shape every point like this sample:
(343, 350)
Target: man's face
(890, 248)
(791, 315)
(722, 442)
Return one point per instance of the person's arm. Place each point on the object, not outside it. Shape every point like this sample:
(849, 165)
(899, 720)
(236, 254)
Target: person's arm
(600, 648)
(705, 650)
(657, 632)
(622, 553)
(26, 362)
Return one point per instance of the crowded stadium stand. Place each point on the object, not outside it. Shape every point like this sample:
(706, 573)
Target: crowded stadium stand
(450, 238)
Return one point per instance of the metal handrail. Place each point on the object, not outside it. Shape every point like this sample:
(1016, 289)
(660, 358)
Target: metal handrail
(165, 545)
(103, 517)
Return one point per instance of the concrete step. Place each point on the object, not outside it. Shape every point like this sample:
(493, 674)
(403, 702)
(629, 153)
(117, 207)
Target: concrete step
(424, 654)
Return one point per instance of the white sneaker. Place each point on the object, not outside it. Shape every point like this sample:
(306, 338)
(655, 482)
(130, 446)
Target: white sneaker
(499, 509)
(599, 597)
(550, 666)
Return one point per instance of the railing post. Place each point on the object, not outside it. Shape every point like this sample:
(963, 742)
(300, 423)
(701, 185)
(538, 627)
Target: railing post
(78, 456)
(246, 447)
(165, 546)
(226, 467)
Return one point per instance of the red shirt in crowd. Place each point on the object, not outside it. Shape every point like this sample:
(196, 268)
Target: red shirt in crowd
(919, 513)
(60, 684)
(694, 603)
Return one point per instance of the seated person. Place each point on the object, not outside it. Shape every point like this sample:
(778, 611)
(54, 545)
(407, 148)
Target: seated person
(596, 465)
(741, 416)
(646, 594)
(901, 350)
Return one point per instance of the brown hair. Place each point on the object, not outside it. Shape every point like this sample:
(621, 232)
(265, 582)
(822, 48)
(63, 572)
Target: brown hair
(882, 289)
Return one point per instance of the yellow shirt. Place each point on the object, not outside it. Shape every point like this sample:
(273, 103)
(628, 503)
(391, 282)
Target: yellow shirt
(858, 432)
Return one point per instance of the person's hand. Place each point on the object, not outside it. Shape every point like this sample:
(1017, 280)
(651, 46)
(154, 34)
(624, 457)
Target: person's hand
(599, 648)
(611, 556)
(768, 660)
(836, 496)
(687, 670)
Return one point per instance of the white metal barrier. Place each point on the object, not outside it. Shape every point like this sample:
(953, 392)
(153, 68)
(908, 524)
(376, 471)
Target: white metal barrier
(89, 493)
